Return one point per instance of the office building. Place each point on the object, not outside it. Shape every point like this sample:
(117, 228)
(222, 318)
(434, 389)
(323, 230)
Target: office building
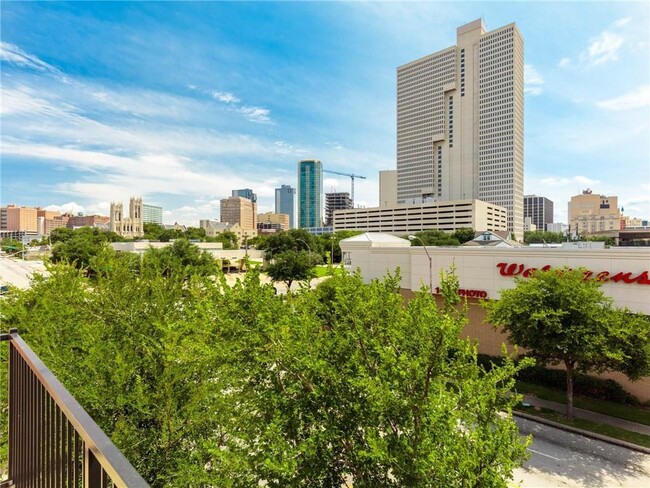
(15, 218)
(124, 226)
(77, 221)
(540, 211)
(272, 221)
(405, 219)
(47, 214)
(336, 201)
(460, 114)
(245, 193)
(590, 213)
(239, 210)
(285, 203)
(558, 227)
(310, 191)
(47, 225)
(152, 214)
(528, 225)
(388, 188)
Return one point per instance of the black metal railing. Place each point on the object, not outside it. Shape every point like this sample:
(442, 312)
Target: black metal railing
(53, 442)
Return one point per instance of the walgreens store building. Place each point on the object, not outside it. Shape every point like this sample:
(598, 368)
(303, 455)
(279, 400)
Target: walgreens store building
(484, 271)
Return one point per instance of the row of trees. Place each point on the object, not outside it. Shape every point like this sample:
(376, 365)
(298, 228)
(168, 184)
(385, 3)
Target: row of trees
(541, 237)
(202, 384)
(440, 238)
(155, 232)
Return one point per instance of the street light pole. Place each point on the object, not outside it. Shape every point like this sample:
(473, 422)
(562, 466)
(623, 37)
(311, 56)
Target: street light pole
(305, 242)
(412, 238)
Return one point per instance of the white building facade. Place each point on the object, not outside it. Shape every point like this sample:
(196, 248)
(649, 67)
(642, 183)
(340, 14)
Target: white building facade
(484, 272)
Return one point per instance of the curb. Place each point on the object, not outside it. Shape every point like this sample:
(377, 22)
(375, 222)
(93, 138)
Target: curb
(585, 433)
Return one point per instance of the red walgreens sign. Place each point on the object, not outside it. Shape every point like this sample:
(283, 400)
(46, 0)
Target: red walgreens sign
(515, 269)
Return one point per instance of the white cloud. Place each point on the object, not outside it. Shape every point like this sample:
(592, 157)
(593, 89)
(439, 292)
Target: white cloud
(604, 48)
(225, 97)
(70, 207)
(333, 184)
(144, 174)
(256, 114)
(22, 100)
(13, 54)
(638, 98)
(622, 22)
(533, 80)
(335, 145)
(47, 117)
(113, 142)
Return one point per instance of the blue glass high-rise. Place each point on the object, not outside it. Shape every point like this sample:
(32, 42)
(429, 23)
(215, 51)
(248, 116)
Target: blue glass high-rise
(310, 193)
(285, 202)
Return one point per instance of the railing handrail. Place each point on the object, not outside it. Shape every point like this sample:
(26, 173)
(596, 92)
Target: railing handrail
(120, 470)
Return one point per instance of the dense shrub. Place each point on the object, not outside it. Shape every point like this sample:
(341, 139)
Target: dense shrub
(602, 389)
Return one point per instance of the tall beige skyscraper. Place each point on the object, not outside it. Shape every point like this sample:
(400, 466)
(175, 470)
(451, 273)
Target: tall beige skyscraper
(460, 122)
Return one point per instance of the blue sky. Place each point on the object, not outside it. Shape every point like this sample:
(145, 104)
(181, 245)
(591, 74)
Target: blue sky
(183, 102)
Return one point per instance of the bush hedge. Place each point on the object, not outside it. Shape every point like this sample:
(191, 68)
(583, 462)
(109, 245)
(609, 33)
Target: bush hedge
(601, 389)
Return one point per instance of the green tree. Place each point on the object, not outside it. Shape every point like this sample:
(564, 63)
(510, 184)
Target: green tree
(203, 384)
(11, 246)
(170, 234)
(194, 233)
(464, 234)
(355, 384)
(61, 234)
(78, 250)
(435, 238)
(329, 243)
(152, 231)
(290, 266)
(564, 318)
(180, 259)
(609, 241)
(541, 237)
(228, 239)
(292, 240)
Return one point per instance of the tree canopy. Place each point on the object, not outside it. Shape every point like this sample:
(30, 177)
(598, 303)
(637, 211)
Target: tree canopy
(203, 384)
(290, 266)
(434, 238)
(300, 239)
(562, 317)
(80, 246)
(541, 237)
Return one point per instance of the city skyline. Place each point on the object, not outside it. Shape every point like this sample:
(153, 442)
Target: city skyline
(182, 103)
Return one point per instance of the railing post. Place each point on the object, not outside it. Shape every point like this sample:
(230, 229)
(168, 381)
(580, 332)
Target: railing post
(12, 414)
(92, 470)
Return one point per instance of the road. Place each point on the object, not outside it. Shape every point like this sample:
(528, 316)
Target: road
(561, 459)
(17, 272)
